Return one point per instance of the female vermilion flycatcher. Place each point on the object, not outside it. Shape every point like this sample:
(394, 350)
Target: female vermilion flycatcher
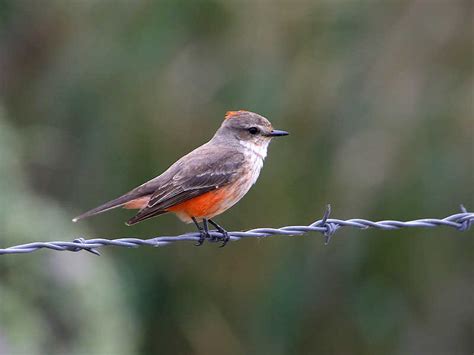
(207, 181)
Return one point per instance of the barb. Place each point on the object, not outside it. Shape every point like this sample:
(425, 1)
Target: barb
(327, 226)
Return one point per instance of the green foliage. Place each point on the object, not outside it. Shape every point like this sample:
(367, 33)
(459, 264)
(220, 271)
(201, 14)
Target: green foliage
(96, 97)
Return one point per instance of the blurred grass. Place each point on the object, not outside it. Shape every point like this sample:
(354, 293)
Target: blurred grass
(52, 305)
(99, 96)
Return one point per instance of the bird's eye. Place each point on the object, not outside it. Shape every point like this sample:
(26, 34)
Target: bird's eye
(253, 130)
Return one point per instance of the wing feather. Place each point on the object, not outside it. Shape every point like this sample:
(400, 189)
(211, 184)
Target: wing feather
(192, 176)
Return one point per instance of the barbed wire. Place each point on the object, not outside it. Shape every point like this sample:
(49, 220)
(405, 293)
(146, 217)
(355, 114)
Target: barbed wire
(327, 226)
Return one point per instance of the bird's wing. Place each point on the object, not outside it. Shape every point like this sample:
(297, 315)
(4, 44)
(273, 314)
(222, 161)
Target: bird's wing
(191, 176)
(150, 187)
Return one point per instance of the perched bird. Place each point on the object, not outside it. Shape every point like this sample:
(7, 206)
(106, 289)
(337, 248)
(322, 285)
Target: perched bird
(207, 181)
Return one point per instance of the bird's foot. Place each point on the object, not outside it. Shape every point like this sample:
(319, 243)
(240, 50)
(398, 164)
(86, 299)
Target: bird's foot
(203, 231)
(204, 235)
(224, 237)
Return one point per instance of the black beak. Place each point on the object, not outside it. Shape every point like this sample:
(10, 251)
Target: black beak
(278, 133)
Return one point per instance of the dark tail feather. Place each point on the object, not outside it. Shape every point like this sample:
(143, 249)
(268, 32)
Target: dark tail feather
(141, 217)
(118, 202)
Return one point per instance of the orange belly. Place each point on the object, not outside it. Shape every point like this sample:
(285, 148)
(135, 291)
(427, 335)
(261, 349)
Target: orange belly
(206, 205)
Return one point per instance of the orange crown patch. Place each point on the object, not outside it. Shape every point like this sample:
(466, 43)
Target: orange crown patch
(230, 114)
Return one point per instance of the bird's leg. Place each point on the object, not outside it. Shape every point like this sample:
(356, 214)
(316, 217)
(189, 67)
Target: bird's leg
(204, 231)
(225, 234)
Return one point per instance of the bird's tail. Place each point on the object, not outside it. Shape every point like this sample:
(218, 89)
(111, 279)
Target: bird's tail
(118, 202)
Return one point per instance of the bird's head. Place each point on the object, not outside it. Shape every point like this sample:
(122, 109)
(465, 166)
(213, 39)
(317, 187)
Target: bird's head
(248, 128)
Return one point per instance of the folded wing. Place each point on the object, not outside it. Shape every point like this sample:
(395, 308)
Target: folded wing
(192, 176)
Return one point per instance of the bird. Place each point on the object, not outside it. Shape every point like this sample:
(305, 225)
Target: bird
(207, 181)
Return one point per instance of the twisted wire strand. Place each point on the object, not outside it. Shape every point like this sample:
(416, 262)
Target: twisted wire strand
(327, 226)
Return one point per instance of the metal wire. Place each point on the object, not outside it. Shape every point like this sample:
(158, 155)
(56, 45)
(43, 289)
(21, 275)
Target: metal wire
(327, 226)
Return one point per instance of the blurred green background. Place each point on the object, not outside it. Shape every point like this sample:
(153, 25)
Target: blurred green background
(96, 97)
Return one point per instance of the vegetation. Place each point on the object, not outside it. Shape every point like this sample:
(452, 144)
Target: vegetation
(96, 97)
